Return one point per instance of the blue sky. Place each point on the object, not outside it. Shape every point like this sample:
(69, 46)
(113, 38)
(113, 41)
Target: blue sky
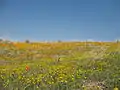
(53, 20)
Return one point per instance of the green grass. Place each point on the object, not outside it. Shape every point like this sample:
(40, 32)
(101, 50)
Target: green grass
(79, 68)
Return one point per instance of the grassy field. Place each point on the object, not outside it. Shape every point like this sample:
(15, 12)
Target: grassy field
(60, 66)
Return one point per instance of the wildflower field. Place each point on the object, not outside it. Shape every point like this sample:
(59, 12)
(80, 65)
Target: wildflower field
(60, 66)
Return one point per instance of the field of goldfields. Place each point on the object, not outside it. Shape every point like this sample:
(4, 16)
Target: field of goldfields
(60, 66)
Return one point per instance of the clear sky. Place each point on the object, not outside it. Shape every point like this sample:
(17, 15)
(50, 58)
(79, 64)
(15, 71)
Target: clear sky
(60, 19)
